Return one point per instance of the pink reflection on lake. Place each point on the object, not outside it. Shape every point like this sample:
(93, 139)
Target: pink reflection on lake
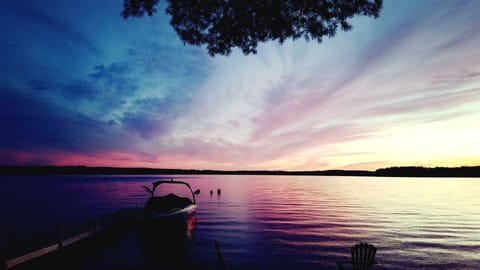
(281, 222)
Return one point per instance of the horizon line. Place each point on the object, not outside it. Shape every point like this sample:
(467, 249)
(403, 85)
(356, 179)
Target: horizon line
(407, 171)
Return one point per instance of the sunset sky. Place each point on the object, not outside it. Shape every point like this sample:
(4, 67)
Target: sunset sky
(79, 85)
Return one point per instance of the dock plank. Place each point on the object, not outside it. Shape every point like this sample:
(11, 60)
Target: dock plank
(32, 255)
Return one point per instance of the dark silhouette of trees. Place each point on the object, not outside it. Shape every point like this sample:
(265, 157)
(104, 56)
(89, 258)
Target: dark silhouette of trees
(464, 171)
(224, 24)
(412, 171)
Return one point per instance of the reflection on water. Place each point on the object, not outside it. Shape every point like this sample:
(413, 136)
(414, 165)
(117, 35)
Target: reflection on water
(272, 222)
(191, 224)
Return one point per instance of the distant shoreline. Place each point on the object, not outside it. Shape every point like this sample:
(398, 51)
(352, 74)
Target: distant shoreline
(384, 172)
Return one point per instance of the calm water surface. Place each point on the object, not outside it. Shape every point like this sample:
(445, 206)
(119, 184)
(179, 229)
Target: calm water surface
(266, 222)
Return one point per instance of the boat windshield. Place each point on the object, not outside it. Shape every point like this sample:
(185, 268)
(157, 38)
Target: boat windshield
(178, 188)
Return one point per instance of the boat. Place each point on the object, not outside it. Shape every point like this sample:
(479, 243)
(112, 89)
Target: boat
(171, 208)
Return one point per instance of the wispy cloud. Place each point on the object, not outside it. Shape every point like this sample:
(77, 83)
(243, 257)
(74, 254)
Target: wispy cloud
(124, 93)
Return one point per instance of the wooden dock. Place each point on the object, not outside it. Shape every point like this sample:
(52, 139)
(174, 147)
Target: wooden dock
(118, 221)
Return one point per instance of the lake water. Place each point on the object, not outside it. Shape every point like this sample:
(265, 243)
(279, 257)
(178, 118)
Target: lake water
(266, 222)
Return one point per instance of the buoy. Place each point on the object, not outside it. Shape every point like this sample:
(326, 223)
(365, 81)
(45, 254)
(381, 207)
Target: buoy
(211, 192)
(219, 191)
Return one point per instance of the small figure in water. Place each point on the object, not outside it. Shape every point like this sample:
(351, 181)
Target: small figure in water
(211, 192)
(219, 192)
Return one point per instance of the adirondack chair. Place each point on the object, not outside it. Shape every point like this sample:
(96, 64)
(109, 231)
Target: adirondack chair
(363, 255)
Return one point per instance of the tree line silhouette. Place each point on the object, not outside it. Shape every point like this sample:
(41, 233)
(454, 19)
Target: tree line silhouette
(411, 171)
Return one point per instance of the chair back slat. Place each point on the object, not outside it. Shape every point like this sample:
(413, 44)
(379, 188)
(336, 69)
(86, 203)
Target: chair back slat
(363, 256)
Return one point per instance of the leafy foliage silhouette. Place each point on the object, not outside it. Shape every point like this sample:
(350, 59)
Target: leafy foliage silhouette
(224, 24)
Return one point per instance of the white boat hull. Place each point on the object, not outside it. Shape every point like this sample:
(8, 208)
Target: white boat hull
(183, 213)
